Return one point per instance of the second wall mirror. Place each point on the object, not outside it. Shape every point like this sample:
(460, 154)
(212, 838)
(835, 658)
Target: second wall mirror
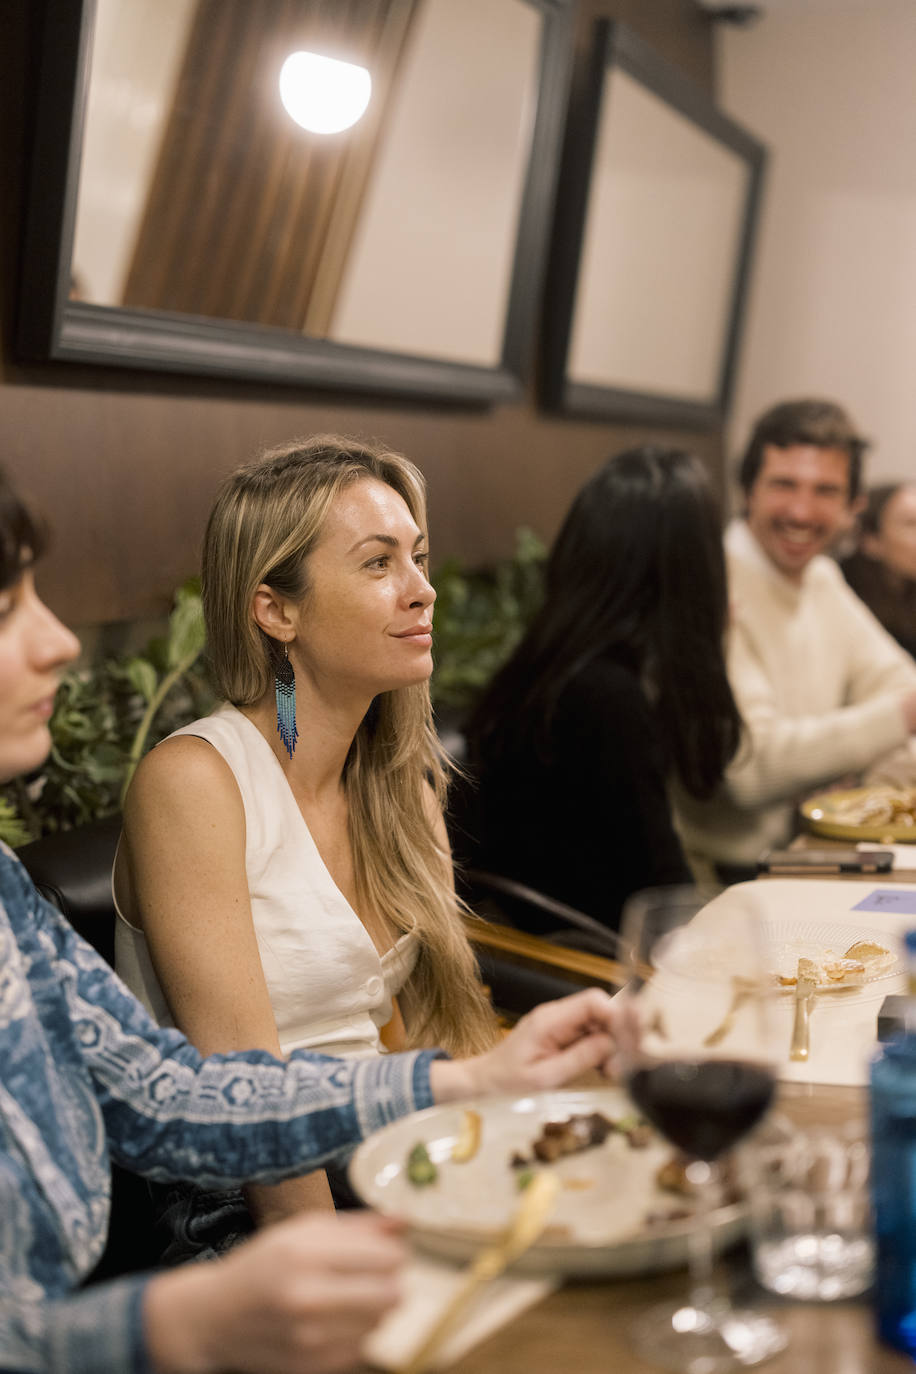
(652, 244)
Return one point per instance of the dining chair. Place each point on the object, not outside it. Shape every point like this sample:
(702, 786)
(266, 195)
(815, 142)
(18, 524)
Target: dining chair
(521, 969)
(488, 892)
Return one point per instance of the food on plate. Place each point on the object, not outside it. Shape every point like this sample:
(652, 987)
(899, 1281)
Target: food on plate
(575, 1133)
(600, 1153)
(468, 1141)
(662, 1216)
(420, 1169)
(877, 806)
(572, 1135)
(672, 1177)
(863, 960)
(875, 957)
(829, 972)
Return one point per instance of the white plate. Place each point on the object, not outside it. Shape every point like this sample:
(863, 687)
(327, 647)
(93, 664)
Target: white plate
(791, 940)
(703, 952)
(599, 1225)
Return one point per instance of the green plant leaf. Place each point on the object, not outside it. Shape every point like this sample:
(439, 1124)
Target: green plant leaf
(13, 830)
(480, 615)
(143, 677)
(186, 628)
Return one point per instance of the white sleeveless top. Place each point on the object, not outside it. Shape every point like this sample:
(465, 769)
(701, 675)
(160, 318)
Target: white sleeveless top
(330, 989)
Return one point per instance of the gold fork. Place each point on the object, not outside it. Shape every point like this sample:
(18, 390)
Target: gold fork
(524, 1229)
(743, 988)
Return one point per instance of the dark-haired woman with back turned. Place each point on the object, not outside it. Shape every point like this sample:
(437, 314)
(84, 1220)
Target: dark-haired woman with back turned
(618, 684)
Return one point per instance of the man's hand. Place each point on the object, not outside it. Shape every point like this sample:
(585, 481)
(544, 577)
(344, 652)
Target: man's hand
(296, 1299)
(552, 1044)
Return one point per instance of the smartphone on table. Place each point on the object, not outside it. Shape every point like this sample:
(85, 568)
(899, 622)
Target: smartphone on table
(789, 862)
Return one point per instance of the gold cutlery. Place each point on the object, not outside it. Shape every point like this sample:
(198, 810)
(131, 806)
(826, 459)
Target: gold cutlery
(743, 988)
(523, 1230)
(805, 990)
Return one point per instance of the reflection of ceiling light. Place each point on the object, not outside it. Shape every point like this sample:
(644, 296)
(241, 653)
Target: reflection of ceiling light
(322, 94)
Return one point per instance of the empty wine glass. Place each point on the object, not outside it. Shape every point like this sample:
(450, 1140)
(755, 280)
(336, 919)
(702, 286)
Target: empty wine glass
(698, 1064)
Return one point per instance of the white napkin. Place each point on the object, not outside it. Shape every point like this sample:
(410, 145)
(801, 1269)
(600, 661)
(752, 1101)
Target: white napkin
(428, 1284)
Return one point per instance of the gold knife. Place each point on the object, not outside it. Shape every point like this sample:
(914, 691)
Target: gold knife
(524, 1229)
(805, 988)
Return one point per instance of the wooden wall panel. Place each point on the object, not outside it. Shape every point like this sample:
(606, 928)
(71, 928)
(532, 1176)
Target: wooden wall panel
(125, 465)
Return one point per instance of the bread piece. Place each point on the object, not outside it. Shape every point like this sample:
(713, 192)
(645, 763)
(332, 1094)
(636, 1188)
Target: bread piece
(875, 957)
(847, 973)
(829, 972)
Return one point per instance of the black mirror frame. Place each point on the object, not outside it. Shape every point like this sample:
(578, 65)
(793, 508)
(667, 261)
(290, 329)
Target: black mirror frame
(616, 46)
(51, 327)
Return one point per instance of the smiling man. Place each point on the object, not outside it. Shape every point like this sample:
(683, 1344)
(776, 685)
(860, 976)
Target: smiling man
(824, 691)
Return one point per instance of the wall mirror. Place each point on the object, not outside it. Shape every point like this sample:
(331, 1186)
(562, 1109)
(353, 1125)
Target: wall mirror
(652, 243)
(178, 219)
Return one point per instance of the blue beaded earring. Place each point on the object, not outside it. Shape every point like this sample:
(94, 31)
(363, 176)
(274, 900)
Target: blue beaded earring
(285, 684)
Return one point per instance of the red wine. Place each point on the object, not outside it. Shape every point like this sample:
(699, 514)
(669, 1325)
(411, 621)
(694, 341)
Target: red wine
(702, 1106)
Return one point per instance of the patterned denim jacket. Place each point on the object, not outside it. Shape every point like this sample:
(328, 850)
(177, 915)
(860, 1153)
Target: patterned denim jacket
(87, 1077)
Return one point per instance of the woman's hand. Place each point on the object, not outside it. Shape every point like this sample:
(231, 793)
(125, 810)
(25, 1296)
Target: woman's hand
(552, 1044)
(297, 1299)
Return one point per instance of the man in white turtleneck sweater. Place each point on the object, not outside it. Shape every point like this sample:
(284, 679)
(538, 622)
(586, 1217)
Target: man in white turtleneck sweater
(824, 691)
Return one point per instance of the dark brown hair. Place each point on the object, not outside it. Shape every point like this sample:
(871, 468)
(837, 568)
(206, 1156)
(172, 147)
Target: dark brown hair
(821, 423)
(22, 535)
(879, 498)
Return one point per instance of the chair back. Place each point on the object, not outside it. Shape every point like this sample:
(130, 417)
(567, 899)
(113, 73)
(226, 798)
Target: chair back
(72, 869)
(495, 896)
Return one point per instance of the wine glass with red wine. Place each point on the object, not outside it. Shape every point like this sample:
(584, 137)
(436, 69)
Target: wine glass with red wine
(698, 1061)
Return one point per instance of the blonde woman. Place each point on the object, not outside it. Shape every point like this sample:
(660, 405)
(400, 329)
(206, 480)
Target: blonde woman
(284, 873)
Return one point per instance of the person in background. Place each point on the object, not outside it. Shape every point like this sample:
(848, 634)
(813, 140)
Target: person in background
(618, 684)
(882, 570)
(284, 871)
(86, 1077)
(823, 689)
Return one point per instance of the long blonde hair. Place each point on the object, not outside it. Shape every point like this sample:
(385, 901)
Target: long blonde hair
(267, 519)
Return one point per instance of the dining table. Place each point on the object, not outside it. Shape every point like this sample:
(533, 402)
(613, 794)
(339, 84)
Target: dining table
(584, 1325)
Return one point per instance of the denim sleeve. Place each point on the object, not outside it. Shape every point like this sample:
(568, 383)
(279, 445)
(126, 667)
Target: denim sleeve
(99, 1331)
(86, 1073)
(170, 1113)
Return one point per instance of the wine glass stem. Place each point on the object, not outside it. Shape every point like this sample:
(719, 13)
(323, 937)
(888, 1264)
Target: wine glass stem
(699, 1242)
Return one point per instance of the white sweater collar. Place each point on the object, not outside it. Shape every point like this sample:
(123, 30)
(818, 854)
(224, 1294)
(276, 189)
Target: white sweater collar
(742, 548)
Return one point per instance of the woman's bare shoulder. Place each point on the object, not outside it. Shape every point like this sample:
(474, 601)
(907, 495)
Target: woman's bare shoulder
(185, 772)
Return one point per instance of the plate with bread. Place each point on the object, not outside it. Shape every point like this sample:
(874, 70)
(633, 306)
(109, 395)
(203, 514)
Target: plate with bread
(840, 957)
(883, 814)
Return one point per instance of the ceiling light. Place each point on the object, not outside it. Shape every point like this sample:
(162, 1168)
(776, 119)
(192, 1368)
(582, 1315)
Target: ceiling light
(323, 94)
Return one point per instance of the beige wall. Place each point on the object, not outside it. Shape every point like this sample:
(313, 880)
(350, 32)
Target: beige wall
(125, 464)
(830, 84)
(125, 117)
(452, 171)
